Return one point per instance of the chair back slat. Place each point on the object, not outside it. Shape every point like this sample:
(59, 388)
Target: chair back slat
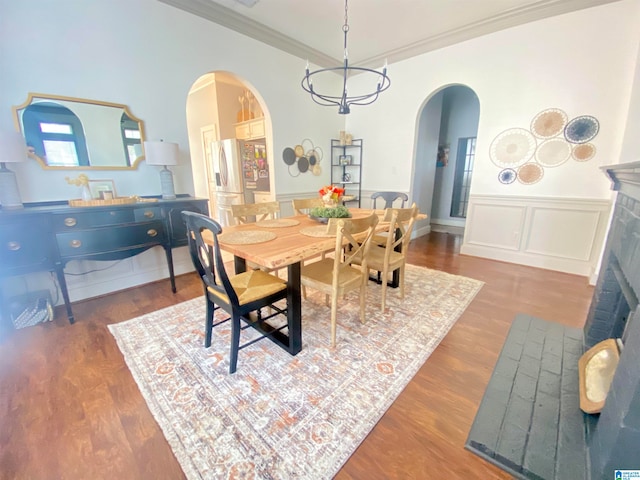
(401, 223)
(301, 206)
(255, 212)
(208, 260)
(349, 240)
(389, 198)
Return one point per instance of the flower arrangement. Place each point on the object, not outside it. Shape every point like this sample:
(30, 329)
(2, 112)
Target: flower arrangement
(331, 194)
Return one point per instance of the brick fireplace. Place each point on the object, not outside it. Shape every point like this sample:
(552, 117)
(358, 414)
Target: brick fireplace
(614, 435)
(529, 421)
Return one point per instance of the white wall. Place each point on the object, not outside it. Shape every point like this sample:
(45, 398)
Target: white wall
(146, 55)
(583, 63)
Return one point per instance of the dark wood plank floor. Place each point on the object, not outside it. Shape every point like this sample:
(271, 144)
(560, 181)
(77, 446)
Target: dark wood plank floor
(69, 408)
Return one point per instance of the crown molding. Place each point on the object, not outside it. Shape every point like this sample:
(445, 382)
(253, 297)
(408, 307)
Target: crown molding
(507, 19)
(228, 18)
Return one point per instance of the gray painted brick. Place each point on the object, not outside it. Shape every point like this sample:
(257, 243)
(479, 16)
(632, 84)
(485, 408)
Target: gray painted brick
(549, 382)
(524, 387)
(510, 449)
(529, 366)
(552, 362)
(518, 414)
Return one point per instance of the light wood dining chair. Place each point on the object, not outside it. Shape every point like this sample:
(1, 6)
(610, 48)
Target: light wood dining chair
(392, 254)
(336, 276)
(301, 206)
(238, 295)
(255, 212)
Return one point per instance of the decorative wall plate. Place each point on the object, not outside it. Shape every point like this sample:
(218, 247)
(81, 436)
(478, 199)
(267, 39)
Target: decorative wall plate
(530, 173)
(289, 156)
(553, 152)
(583, 152)
(507, 176)
(512, 148)
(581, 129)
(549, 123)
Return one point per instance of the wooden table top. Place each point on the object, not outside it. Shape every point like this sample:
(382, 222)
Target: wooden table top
(289, 246)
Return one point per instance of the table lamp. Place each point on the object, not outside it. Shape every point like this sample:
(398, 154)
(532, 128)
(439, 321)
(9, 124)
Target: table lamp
(13, 149)
(163, 153)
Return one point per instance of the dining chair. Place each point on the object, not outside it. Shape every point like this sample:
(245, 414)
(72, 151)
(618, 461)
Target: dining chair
(238, 295)
(337, 276)
(392, 254)
(301, 206)
(389, 198)
(255, 212)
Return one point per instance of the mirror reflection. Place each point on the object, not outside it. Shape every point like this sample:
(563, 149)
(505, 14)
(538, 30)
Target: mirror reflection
(75, 133)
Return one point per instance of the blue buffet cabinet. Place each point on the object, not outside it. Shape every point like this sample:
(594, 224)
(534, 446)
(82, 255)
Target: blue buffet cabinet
(45, 236)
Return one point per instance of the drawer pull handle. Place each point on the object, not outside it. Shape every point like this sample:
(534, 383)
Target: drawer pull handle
(70, 222)
(75, 243)
(149, 214)
(152, 232)
(13, 246)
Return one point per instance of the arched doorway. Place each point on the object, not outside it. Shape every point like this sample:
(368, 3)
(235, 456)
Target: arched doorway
(447, 130)
(225, 111)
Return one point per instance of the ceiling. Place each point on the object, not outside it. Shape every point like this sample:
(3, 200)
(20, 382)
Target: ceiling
(379, 30)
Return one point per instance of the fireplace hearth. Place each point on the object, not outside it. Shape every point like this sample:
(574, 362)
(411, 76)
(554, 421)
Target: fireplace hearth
(529, 422)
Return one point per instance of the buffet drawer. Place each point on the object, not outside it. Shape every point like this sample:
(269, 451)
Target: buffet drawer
(94, 218)
(105, 240)
(25, 244)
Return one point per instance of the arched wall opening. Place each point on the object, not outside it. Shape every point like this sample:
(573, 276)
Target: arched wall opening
(222, 106)
(447, 126)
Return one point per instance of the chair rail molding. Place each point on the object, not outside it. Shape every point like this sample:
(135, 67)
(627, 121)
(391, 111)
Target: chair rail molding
(556, 233)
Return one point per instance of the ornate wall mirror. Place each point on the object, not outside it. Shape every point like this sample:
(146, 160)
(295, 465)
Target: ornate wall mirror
(76, 133)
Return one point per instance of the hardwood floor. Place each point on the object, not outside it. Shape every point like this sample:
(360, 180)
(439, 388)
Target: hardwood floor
(70, 409)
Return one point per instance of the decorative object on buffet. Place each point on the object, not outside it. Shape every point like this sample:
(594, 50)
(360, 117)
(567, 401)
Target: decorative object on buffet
(342, 100)
(551, 141)
(305, 156)
(81, 181)
(102, 189)
(164, 154)
(13, 149)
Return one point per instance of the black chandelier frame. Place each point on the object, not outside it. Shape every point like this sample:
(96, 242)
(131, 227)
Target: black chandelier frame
(344, 101)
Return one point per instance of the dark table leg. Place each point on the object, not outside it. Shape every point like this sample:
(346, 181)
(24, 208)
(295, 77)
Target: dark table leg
(291, 342)
(294, 308)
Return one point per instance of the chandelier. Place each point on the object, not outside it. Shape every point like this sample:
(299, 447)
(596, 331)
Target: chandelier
(344, 101)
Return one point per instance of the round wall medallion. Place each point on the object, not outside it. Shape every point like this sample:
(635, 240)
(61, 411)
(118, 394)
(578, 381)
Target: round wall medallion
(553, 152)
(507, 176)
(583, 152)
(581, 129)
(530, 173)
(289, 156)
(549, 123)
(512, 148)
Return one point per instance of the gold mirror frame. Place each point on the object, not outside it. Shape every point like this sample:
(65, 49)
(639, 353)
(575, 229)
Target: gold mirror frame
(34, 98)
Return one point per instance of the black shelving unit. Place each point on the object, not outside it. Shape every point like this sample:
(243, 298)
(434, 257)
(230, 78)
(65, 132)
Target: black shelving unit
(346, 169)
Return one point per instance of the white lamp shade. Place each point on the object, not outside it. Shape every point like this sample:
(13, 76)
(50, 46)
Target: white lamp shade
(161, 153)
(13, 148)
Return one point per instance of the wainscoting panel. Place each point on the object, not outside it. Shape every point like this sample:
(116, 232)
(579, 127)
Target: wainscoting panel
(560, 226)
(563, 234)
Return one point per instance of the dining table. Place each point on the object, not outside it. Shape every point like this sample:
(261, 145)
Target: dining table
(278, 244)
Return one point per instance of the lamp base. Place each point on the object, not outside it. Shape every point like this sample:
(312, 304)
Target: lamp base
(166, 184)
(9, 193)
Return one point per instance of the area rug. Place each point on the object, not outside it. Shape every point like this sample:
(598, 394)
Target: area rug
(281, 416)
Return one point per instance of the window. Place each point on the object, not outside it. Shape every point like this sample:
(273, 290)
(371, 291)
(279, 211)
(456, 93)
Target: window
(55, 133)
(462, 180)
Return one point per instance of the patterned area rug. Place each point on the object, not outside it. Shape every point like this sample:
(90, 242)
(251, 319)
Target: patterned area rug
(280, 416)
